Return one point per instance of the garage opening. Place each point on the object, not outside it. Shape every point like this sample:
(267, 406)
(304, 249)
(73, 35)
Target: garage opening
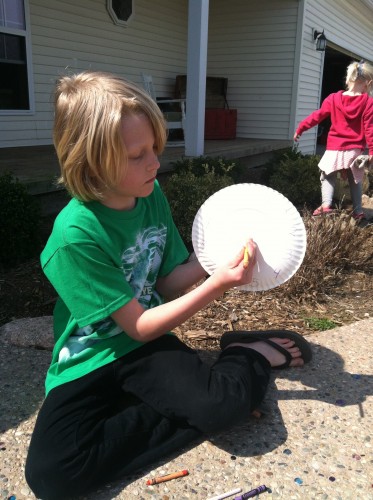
(335, 66)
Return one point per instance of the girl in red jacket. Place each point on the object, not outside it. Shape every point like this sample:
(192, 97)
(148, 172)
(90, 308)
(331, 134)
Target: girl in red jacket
(351, 115)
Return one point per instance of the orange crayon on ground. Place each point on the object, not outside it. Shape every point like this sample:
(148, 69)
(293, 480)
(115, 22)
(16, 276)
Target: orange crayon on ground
(161, 479)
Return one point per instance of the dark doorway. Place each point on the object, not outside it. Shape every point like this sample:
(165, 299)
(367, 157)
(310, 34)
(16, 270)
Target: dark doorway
(335, 67)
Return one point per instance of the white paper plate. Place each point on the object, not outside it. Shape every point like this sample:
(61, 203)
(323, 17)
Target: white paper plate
(231, 216)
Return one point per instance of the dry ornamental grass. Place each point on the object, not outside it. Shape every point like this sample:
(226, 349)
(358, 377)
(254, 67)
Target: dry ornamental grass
(335, 244)
(333, 286)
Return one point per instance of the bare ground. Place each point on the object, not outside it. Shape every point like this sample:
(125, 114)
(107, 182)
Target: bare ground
(25, 292)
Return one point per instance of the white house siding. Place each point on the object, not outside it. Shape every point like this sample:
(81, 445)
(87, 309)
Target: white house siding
(253, 43)
(264, 47)
(348, 25)
(70, 36)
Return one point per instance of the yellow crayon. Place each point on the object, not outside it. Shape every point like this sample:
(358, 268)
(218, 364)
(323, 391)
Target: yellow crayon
(246, 258)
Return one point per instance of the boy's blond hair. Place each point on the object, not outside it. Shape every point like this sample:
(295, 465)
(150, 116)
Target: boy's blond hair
(87, 130)
(359, 71)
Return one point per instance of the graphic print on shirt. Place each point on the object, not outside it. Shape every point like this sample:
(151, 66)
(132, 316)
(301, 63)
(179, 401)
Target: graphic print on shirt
(140, 265)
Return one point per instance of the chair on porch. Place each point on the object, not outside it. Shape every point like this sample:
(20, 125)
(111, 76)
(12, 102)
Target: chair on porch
(173, 110)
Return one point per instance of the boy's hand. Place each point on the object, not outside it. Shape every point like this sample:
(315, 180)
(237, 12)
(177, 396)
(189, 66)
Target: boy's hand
(239, 271)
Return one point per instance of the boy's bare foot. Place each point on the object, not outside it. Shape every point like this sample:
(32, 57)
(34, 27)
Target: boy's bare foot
(275, 357)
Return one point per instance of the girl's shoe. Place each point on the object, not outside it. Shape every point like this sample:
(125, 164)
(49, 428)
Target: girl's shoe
(322, 210)
(360, 216)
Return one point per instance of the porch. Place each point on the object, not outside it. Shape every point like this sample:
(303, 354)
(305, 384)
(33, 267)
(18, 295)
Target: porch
(37, 166)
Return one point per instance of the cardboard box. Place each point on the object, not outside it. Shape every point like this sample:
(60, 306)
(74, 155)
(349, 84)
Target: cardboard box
(216, 91)
(220, 123)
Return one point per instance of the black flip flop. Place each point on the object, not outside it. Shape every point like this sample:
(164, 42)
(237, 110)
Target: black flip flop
(248, 337)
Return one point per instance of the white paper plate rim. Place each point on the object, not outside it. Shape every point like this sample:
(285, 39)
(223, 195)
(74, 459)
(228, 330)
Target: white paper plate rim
(230, 216)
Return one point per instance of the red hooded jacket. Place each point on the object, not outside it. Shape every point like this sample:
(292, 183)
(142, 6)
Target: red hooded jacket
(351, 118)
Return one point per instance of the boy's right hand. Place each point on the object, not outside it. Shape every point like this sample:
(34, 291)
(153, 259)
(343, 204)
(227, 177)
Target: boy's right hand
(145, 325)
(236, 273)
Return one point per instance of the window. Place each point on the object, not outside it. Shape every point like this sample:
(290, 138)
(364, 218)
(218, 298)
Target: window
(14, 81)
(121, 11)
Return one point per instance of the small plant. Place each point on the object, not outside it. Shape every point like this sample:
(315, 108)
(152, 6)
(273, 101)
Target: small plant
(320, 324)
(20, 222)
(296, 176)
(201, 165)
(186, 192)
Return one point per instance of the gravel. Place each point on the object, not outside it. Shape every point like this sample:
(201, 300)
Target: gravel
(312, 441)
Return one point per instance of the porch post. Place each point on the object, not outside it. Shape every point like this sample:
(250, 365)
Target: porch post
(198, 13)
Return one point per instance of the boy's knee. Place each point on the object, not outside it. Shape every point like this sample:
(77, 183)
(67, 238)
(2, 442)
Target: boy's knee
(217, 418)
(44, 482)
(37, 478)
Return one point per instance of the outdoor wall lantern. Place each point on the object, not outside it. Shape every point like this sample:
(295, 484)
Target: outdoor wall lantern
(320, 40)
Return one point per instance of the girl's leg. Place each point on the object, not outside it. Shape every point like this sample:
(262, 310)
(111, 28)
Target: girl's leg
(327, 188)
(145, 405)
(356, 191)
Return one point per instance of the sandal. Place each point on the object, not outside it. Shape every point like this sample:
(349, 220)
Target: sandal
(322, 210)
(248, 337)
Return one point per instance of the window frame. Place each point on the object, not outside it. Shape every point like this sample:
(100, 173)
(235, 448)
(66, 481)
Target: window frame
(114, 17)
(26, 34)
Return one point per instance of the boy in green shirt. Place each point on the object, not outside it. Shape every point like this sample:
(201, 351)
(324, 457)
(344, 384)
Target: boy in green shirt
(122, 390)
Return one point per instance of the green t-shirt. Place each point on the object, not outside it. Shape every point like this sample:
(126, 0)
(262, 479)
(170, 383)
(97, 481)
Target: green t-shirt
(98, 259)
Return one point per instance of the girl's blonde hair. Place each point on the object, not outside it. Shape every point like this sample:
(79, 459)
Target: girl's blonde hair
(87, 130)
(359, 71)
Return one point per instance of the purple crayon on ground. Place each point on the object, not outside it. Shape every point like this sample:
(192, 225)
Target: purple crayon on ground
(252, 493)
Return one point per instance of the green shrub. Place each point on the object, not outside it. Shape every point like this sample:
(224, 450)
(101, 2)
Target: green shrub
(278, 156)
(20, 222)
(296, 176)
(186, 192)
(201, 165)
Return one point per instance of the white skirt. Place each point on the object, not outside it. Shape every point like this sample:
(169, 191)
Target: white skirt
(340, 160)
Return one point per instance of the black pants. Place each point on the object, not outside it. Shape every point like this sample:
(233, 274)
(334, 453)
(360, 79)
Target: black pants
(127, 414)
